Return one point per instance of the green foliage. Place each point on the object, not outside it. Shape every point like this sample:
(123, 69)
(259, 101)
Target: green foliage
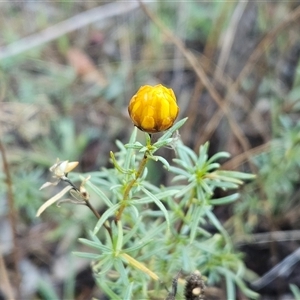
(273, 193)
(147, 233)
(296, 291)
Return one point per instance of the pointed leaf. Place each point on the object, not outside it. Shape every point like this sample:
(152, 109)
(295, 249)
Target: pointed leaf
(159, 204)
(105, 216)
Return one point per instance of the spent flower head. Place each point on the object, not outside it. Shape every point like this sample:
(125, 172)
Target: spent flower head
(153, 108)
(60, 170)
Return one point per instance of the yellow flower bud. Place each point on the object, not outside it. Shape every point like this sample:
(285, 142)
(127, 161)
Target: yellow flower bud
(153, 108)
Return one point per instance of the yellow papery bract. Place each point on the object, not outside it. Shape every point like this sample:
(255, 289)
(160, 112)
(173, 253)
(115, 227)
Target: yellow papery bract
(153, 108)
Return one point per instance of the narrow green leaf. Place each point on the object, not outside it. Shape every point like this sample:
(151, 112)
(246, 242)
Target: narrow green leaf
(295, 290)
(135, 146)
(216, 223)
(192, 155)
(117, 166)
(91, 256)
(128, 291)
(102, 283)
(162, 160)
(230, 288)
(213, 166)
(202, 155)
(136, 247)
(103, 265)
(235, 174)
(46, 289)
(118, 264)
(184, 158)
(159, 204)
(223, 184)
(213, 218)
(249, 293)
(160, 196)
(119, 244)
(96, 245)
(105, 216)
(206, 188)
(162, 143)
(225, 200)
(150, 234)
(128, 236)
(128, 157)
(99, 193)
(179, 171)
(196, 216)
(185, 190)
(175, 127)
(217, 156)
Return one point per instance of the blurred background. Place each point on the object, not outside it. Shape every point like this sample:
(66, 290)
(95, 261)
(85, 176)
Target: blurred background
(67, 72)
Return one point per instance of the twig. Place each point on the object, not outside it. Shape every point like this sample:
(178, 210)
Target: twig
(229, 38)
(6, 286)
(243, 157)
(81, 20)
(91, 207)
(283, 269)
(268, 237)
(12, 219)
(88, 204)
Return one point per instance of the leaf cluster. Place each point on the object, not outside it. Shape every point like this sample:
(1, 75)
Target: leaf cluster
(156, 231)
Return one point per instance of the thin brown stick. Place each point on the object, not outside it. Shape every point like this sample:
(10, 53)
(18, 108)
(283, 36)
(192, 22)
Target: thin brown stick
(236, 161)
(268, 237)
(229, 38)
(6, 286)
(91, 207)
(12, 219)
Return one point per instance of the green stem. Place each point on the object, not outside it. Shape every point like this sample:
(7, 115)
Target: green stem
(130, 185)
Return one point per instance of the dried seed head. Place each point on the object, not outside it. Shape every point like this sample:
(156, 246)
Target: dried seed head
(61, 168)
(194, 287)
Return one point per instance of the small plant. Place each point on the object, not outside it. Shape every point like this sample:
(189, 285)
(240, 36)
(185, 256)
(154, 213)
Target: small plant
(148, 233)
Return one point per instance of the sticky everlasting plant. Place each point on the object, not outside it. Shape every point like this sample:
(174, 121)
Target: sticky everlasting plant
(148, 233)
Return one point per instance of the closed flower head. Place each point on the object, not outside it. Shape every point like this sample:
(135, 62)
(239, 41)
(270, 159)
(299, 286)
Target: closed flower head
(153, 108)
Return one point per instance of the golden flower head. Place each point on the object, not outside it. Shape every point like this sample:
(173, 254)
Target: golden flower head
(153, 108)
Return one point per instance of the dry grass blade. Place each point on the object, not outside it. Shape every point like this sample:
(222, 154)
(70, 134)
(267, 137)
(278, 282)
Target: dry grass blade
(236, 161)
(200, 72)
(229, 38)
(261, 48)
(69, 25)
(256, 54)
